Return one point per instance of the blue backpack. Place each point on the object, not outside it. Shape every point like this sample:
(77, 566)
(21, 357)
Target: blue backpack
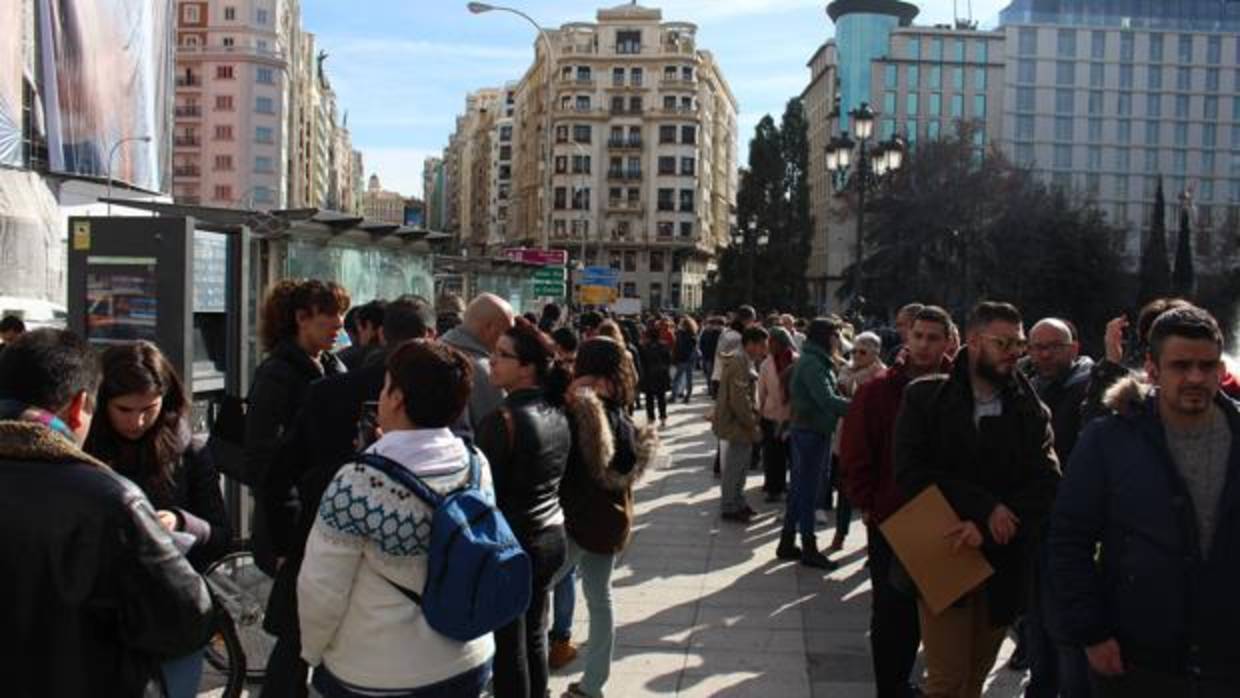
(477, 577)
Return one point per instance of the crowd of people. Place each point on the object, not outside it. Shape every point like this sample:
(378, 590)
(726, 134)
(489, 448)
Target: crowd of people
(1104, 494)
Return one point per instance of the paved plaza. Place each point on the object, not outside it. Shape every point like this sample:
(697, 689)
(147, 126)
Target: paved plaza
(703, 608)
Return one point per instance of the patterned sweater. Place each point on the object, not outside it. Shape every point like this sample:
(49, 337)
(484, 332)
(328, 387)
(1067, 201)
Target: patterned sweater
(371, 530)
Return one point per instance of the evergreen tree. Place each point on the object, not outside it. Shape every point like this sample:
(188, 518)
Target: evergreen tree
(789, 255)
(1184, 278)
(1155, 278)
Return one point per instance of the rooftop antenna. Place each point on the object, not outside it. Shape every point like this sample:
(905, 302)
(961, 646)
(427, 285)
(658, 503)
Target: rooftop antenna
(971, 12)
(955, 15)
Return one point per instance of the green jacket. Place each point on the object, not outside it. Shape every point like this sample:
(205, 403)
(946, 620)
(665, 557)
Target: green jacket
(816, 400)
(736, 405)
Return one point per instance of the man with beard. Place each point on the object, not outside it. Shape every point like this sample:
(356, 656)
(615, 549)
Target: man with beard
(1156, 487)
(869, 482)
(981, 436)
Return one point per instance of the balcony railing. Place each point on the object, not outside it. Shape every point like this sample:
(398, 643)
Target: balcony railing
(220, 48)
(677, 82)
(580, 49)
(681, 110)
(187, 171)
(628, 48)
(186, 141)
(618, 110)
(578, 81)
(624, 143)
(189, 81)
(624, 173)
(624, 206)
(188, 111)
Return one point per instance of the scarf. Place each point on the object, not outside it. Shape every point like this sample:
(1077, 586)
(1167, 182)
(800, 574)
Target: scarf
(15, 410)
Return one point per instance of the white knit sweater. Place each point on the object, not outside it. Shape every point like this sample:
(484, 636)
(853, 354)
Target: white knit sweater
(370, 530)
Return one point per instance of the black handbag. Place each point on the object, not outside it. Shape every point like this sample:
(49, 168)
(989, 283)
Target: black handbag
(227, 441)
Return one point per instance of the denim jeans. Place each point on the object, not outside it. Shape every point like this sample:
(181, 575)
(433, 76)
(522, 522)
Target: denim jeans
(465, 685)
(684, 374)
(810, 451)
(182, 675)
(563, 602)
(595, 571)
(521, 646)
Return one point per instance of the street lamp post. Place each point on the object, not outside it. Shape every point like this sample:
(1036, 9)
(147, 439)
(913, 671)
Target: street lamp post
(112, 154)
(482, 7)
(871, 166)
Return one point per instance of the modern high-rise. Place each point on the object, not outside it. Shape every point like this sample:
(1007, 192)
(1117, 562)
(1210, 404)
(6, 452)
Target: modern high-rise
(641, 170)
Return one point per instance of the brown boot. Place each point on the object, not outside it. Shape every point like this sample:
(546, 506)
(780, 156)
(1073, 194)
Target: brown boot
(561, 654)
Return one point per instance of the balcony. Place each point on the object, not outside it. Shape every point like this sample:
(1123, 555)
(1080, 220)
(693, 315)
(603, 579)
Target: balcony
(626, 110)
(677, 83)
(682, 111)
(624, 173)
(572, 81)
(186, 141)
(186, 171)
(189, 81)
(625, 206)
(627, 48)
(579, 111)
(624, 143)
(189, 111)
(579, 49)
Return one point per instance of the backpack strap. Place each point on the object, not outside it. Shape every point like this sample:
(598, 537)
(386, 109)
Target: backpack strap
(401, 474)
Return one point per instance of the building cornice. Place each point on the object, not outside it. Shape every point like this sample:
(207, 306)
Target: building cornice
(904, 11)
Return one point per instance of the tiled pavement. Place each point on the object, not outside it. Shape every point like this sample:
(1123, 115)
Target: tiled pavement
(703, 608)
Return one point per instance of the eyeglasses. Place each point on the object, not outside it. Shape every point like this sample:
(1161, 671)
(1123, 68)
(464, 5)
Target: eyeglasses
(1008, 344)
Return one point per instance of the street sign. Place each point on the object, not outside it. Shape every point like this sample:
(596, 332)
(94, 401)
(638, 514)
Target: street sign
(537, 256)
(600, 276)
(598, 295)
(550, 274)
(549, 288)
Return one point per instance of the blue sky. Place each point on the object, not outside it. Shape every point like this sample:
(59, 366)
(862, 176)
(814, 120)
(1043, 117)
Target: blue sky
(401, 68)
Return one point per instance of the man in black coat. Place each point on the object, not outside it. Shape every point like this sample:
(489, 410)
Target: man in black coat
(95, 593)
(984, 439)
(324, 437)
(1144, 543)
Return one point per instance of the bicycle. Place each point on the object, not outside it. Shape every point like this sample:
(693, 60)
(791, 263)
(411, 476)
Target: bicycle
(239, 648)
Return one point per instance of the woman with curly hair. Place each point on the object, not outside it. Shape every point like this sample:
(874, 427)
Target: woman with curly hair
(609, 455)
(299, 323)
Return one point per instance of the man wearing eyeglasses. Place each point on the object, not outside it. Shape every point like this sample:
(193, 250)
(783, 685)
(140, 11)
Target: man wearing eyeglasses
(982, 436)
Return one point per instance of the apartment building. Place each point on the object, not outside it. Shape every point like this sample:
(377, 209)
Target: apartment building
(640, 173)
(229, 117)
(818, 100)
(501, 205)
(381, 205)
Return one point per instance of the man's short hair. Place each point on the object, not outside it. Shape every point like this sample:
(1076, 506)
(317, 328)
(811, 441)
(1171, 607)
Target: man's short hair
(371, 313)
(820, 332)
(910, 310)
(987, 312)
(933, 313)
(12, 323)
(746, 314)
(47, 368)
(1189, 322)
(589, 320)
(435, 380)
(754, 335)
(1152, 310)
(407, 317)
(565, 338)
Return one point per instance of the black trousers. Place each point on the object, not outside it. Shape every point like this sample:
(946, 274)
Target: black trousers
(286, 674)
(651, 398)
(1139, 682)
(520, 667)
(774, 459)
(895, 630)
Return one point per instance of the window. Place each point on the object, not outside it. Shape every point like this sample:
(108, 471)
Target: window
(613, 261)
(1064, 102)
(223, 133)
(230, 13)
(223, 163)
(263, 195)
(1121, 187)
(260, 16)
(1153, 106)
(1154, 78)
(1024, 127)
(667, 165)
(665, 229)
(1185, 49)
(936, 104)
(505, 133)
(190, 14)
(223, 103)
(635, 77)
(979, 106)
(889, 102)
(1122, 160)
(265, 76)
(1095, 102)
(581, 164)
(1065, 73)
(1095, 130)
(1209, 138)
(688, 166)
(1024, 153)
(1027, 41)
(1183, 79)
(686, 73)
(666, 200)
(581, 198)
(686, 229)
(958, 106)
(958, 50)
(933, 129)
(1097, 74)
(262, 164)
(1214, 49)
(223, 192)
(264, 105)
(1179, 161)
(1123, 104)
(1063, 128)
(936, 77)
(936, 49)
(688, 135)
(1125, 77)
(1156, 48)
(561, 198)
(1207, 162)
(630, 288)
(228, 42)
(1152, 133)
(686, 201)
(1093, 158)
(635, 105)
(910, 104)
(1206, 193)
(913, 48)
(630, 260)
(617, 77)
(914, 77)
(264, 134)
(983, 51)
(581, 133)
(582, 103)
(224, 72)
(979, 79)
(1066, 43)
(628, 42)
(890, 76)
(656, 260)
(958, 78)
(1181, 134)
(1212, 79)
(1125, 46)
(667, 134)
(1098, 45)
(1209, 108)
(1063, 156)
(1123, 131)
(561, 134)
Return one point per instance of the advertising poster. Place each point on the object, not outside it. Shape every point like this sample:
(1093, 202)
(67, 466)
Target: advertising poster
(120, 299)
(11, 31)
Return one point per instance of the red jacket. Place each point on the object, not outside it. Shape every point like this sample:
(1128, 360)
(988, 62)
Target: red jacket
(866, 443)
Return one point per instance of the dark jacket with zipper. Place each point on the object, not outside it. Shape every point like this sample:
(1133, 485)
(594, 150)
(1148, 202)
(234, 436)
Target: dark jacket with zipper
(95, 593)
(610, 454)
(686, 346)
(1149, 586)
(1007, 459)
(527, 442)
(656, 361)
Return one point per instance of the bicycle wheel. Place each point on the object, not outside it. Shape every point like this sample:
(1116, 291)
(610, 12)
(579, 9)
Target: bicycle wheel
(224, 652)
(242, 590)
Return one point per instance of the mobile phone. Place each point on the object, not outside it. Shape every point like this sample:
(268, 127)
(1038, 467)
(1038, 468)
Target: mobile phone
(368, 425)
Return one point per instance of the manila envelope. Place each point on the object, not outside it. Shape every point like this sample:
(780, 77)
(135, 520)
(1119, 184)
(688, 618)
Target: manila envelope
(917, 535)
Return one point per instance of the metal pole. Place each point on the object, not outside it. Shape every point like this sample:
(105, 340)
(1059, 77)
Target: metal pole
(862, 184)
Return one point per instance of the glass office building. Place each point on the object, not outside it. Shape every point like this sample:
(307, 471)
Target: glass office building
(862, 31)
(1185, 15)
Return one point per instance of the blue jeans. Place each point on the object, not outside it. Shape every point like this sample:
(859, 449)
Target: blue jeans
(563, 601)
(684, 373)
(466, 685)
(182, 675)
(595, 572)
(810, 451)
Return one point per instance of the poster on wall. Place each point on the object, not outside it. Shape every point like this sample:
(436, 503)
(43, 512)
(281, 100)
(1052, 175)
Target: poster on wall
(120, 300)
(107, 67)
(11, 30)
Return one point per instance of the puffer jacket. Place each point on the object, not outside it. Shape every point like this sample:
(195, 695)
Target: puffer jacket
(736, 405)
(96, 594)
(1170, 607)
(527, 442)
(610, 454)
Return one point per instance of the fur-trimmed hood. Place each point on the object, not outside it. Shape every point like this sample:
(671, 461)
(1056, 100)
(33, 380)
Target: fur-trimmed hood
(30, 441)
(615, 451)
(1127, 396)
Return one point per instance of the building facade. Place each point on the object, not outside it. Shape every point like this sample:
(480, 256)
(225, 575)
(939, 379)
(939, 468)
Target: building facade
(819, 100)
(381, 205)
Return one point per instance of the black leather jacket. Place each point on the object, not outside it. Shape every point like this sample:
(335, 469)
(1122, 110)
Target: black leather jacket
(527, 442)
(96, 595)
